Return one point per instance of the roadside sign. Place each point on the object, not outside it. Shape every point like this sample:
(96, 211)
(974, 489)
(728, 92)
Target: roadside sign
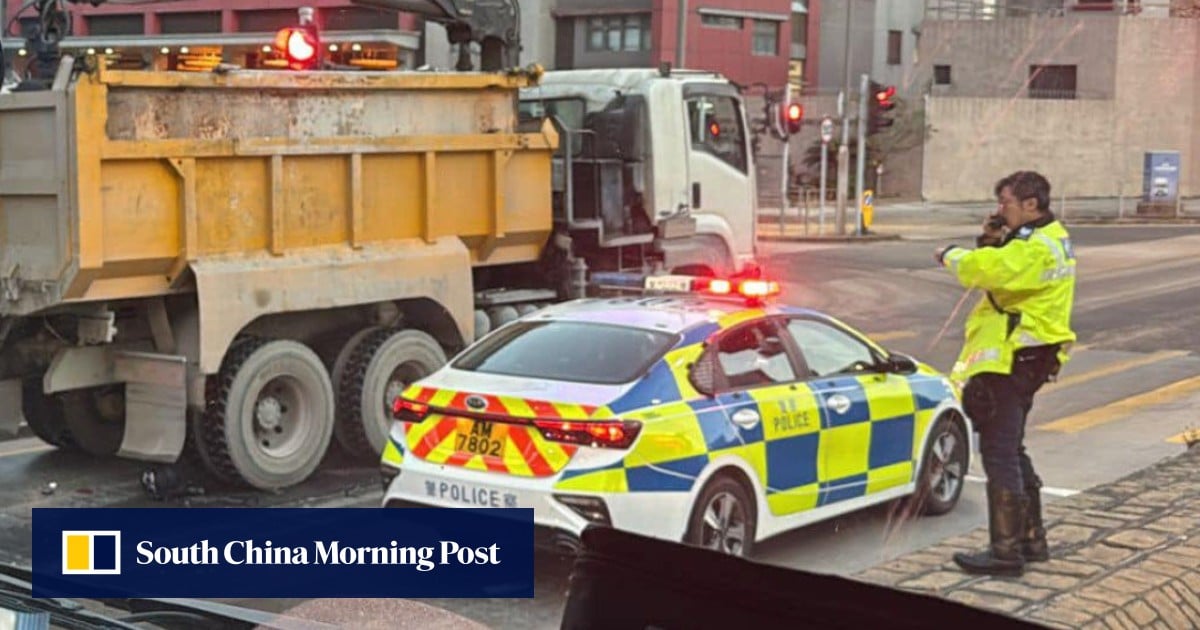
(826, 130)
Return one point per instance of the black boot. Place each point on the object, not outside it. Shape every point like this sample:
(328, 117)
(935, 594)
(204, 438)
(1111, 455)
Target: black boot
(1033, 543)
(1006, 521)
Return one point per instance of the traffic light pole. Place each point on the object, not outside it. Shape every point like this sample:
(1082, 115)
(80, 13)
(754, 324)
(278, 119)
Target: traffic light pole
(843, 164)
(862, 151)
(787, 143)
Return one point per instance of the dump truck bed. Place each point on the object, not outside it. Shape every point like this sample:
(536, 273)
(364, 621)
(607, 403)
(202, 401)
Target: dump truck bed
(115, 182)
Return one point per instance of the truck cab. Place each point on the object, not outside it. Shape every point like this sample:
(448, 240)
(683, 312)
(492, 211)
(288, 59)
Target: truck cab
(650, 161)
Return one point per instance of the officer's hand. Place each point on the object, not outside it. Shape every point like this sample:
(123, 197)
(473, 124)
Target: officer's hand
(993, 227)
(939, 255)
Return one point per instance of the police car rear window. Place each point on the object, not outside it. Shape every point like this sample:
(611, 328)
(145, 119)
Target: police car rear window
(580, 352)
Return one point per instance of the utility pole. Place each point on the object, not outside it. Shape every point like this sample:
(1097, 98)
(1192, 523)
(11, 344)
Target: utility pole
(681, 35)
(843, 158)
(864, 87)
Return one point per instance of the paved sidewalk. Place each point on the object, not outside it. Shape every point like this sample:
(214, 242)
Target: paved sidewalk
(1123, 555)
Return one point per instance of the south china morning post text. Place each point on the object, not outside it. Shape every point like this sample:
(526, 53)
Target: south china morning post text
(283, 552)
(334, 552)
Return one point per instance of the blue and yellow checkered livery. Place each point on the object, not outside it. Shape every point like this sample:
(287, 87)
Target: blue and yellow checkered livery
(817, 443)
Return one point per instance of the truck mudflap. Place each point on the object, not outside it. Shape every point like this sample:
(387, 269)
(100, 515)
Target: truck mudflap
(155, 405)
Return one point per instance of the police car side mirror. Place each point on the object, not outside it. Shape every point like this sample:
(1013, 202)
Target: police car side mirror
(901, 364)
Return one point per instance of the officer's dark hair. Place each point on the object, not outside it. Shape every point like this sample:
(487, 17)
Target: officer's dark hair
(1027, 185)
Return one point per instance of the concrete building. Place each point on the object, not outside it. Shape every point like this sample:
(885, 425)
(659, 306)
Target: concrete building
(1080, 95)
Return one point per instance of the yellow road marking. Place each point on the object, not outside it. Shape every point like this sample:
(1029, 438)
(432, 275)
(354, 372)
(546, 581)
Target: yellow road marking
(892, 334)
(1191, 435)
(1122, 408)
(1113, 368)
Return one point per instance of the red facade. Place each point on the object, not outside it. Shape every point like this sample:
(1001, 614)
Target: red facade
(729, 51)
(233, 15)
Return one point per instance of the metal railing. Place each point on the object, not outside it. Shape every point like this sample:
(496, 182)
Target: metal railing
(993, 9)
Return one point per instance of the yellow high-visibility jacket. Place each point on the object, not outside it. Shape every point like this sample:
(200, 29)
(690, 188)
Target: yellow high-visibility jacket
(1029, 282)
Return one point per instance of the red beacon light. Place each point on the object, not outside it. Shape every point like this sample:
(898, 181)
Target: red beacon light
(750, 289)
(300, 45)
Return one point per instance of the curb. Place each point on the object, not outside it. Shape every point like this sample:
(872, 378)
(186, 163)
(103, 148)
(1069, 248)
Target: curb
(849, 238)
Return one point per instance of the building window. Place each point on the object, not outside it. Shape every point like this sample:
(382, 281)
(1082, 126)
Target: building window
(359, 19)
(266, 20)
(177, 23)
(766, 37)
(124, 24)
(895, 41)
(618, 33)
(941, 75)
(721, 21)
(799, 29)
(1052, 82)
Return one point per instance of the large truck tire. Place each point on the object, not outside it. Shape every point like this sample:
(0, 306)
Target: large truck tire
(44, 415)
(271, 417)
(96, 418)
(380, 367)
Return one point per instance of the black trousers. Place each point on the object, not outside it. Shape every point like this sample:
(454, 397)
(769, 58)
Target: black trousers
(998, 405)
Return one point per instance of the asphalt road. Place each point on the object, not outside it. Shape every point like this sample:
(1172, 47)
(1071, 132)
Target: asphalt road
(1139, 339)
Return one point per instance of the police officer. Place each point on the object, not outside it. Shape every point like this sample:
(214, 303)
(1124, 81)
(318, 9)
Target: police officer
(1017, 338)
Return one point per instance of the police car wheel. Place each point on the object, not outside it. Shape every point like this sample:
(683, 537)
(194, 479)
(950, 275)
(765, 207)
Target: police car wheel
(944, 468)
(723, 518)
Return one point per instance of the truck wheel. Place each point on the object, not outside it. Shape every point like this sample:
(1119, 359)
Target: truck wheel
(44, 415)
(381, 366)
(96, 418)
(345, 353)
(271, 420)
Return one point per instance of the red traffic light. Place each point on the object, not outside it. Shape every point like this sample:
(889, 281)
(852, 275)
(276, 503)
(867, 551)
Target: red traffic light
(793, 116)
(884, 97)
(301, 46)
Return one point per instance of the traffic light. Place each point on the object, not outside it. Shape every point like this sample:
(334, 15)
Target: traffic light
(793, 116)
(300, 45)
(880, 102)
(785, 118)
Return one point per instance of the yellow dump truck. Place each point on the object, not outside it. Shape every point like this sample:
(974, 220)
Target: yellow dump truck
(251, 264)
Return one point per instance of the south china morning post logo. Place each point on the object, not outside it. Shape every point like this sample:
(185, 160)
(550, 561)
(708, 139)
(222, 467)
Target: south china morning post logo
(91, 552)
(327, 552)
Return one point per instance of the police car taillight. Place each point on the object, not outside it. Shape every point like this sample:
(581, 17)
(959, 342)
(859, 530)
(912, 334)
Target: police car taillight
(409, 410)
(601, 433)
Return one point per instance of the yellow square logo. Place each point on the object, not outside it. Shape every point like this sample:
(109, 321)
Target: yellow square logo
(91, 553)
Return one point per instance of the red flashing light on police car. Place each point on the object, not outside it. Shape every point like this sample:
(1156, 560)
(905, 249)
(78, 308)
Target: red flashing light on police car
(750, 288)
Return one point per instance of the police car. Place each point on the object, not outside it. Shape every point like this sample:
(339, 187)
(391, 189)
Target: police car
(678, 413)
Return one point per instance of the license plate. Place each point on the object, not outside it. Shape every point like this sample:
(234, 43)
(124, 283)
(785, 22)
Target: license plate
(481, 438)
(471, 495)
(669, 283)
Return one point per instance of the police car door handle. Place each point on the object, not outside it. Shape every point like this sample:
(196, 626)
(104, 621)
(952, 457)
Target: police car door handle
(746, 418)
(838, 403)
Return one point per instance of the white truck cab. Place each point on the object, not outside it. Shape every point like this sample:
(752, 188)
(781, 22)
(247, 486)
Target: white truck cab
(657, 158)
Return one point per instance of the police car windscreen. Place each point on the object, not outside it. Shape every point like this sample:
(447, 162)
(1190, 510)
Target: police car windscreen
(582, 352)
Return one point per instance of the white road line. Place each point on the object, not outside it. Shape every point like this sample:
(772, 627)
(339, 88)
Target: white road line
(1054, 492)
